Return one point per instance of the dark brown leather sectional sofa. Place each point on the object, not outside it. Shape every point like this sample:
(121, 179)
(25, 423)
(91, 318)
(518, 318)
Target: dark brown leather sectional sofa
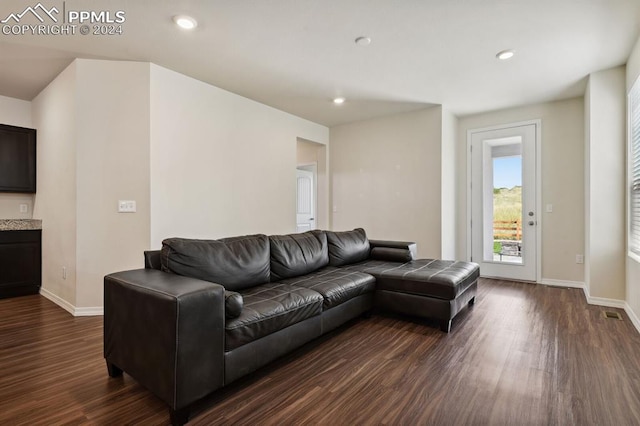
(204, 313)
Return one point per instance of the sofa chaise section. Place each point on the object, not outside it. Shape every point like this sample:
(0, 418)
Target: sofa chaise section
(427, 288)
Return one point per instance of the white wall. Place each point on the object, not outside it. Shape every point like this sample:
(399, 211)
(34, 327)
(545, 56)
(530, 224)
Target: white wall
(112, 125)
(605, 182)
(386, 177)
(587, 182)
(449, 184)
(562, 181)
(215, 164)
(633, 66)
(93, 149)
(15, 112)
(54, 116)
(633, 266)
(221, 165)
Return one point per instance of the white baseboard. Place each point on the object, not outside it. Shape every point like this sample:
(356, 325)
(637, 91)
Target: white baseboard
(89, 312)
(602, 301)
(58, 300)
(632, 316)
(562, 283)
(76, 312)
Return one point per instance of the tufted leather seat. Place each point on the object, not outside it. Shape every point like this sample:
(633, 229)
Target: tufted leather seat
(335, 284)
(268, 308)
(443, 279)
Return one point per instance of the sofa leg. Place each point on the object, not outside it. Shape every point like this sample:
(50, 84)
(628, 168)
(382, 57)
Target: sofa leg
(472, 301)
(445, 325)
(113, 370)
(179, 417)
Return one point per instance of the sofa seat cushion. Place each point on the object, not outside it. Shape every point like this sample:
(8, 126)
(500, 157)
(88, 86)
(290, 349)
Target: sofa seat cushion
(297, 254)
(442, 279)
(268, 308)
(336, 285)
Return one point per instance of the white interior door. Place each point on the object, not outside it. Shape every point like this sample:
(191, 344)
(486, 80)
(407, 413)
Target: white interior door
(305, 201)
(504, 214)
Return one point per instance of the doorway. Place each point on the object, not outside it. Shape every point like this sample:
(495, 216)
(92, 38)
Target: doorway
(504, 226)
(312, 157)
(306, 198)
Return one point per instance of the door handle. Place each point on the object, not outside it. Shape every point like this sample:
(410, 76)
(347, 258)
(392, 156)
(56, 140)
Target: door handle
(311, 219)
(531, 223)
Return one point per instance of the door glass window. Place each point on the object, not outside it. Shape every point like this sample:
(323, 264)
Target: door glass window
(507, 209)
(503, 200)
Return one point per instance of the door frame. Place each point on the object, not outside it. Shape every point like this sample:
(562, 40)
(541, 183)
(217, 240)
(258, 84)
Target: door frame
(538, 168)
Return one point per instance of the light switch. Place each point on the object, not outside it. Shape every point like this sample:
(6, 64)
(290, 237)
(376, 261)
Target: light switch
(549, 208)
(126, 206)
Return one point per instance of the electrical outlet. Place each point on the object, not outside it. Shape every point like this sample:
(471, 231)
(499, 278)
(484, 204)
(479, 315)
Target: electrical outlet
(24, 208)
(579, 258)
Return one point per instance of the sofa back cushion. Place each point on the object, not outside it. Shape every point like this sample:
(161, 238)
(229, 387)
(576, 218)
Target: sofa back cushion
(347, 247)
(152, 260)
(236, 263)
(391, 254)
(297, 254)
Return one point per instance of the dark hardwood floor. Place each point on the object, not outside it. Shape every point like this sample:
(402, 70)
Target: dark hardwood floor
(523, 355)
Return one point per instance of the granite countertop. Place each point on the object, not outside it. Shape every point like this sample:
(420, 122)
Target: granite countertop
(20, 224)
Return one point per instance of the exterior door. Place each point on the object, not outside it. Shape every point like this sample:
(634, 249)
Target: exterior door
(305, 201)
(504, 216)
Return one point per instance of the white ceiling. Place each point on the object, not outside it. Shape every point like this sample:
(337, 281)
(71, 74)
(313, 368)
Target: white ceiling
(296, 55)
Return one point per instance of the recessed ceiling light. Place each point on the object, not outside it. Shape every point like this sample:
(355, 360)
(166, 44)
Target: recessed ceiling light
(185, 22)
(338, 101)
(505, 54)
(363, 41)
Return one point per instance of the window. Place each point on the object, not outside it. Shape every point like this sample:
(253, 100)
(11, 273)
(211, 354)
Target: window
(634, 169)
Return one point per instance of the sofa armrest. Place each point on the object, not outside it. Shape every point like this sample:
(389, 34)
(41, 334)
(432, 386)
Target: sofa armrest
(394, 251)
(166, 331)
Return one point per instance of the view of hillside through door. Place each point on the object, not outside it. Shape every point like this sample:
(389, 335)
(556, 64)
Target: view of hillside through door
(503, 201)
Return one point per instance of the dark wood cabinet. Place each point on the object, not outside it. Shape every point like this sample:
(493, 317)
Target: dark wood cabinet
(20, 262)
(17, 159)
